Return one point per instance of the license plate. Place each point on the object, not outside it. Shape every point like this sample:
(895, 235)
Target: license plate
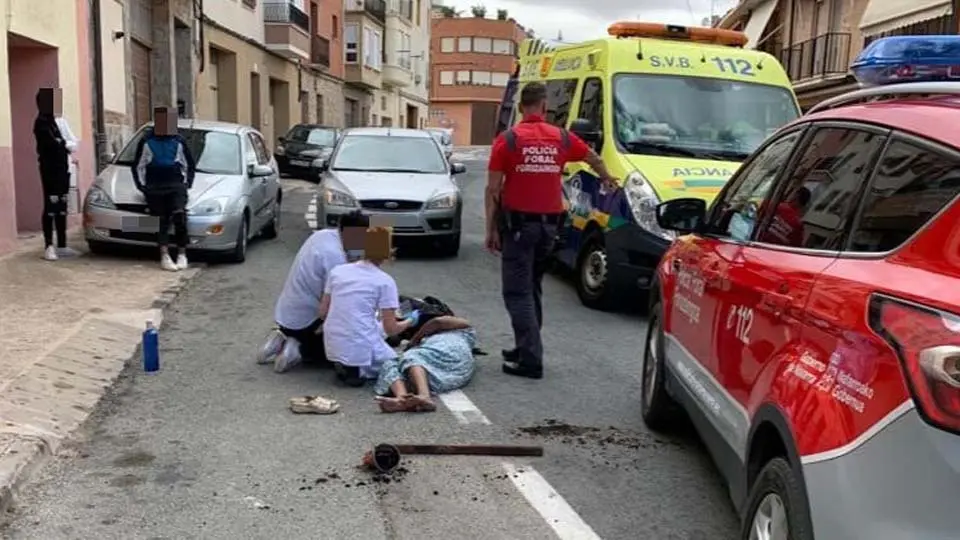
(299, 163)
(139, 224)
(394, 220)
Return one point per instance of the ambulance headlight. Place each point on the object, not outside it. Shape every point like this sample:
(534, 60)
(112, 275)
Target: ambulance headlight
(643, 202)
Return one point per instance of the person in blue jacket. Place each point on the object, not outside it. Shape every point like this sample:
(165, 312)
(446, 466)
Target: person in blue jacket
(163, 170)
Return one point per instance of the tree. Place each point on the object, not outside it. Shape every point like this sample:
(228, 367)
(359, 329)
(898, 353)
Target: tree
(501, 14)
(479, 11)
(448, 12)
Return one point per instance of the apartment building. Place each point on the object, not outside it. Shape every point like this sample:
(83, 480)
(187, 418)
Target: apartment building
(817, 40)
(403, 97)
(272, 64)
(472, 59)
(47, 44)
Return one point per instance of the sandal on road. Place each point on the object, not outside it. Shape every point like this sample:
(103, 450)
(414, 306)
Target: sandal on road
(313, 405)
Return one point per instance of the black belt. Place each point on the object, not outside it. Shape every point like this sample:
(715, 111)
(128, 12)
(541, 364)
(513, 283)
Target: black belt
(527, 217)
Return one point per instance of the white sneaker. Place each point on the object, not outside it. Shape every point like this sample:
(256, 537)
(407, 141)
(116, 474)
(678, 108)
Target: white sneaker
(167, 263)
(271, 347)
(289, 356)
(50, 253)
(181, 262)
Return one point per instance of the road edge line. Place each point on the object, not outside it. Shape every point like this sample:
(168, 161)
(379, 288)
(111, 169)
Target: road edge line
(552, 507)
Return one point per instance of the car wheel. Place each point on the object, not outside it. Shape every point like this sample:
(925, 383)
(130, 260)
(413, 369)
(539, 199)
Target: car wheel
(656, 406)
(777, 508)
(272, 229)
(592, 273)
(450, 245)
(239, 253)
(98, 248)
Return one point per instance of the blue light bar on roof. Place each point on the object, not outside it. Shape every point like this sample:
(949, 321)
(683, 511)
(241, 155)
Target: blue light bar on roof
(903, 59)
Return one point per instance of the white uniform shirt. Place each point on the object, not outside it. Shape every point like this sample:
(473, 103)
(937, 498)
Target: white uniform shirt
(352, 335)
(299, 304)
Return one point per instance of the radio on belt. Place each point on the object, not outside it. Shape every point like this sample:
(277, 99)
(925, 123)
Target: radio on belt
(905, 59)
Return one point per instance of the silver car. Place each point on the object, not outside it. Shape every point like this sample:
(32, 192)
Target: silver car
(236, 194)
(398, 177)
(444, 138)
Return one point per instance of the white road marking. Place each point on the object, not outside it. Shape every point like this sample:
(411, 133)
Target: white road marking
(311, 215)
(464, 409)
(560, 516)
(564, 520)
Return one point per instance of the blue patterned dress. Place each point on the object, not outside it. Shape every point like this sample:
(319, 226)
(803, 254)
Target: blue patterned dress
(447, 358)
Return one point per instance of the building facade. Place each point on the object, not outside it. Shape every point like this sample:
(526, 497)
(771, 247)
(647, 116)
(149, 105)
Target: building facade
(48, 44)
(271, 64)
(403, 98)
(817, 40)
(472, 59)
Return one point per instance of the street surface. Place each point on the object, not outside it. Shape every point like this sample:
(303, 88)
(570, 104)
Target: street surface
(207, 448)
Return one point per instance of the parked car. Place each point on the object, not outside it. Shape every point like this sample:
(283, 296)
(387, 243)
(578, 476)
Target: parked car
(236, 193)
(297, 151)
(809, 321)
(444, 138)
(398, 176)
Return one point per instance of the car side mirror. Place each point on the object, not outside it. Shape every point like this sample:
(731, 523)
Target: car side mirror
(108, 157)
(457, 168)
(587, 130)
(684, 216)
(282, 140)
(257, 170)
(320, 165)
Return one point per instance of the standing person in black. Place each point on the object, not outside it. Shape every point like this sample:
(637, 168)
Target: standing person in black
(54, 158)
(163, 170)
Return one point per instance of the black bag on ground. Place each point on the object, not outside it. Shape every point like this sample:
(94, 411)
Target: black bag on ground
(430, 307)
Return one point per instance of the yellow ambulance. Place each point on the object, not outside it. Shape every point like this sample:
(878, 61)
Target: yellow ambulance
(672, 110)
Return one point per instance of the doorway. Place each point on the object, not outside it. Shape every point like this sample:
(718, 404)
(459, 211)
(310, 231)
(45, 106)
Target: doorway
(413, 117)
(183, 60)
(140, 73)
(280, 105)
(255, 116)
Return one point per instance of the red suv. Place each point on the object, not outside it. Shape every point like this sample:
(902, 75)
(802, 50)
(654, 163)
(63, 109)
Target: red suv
(808, 322)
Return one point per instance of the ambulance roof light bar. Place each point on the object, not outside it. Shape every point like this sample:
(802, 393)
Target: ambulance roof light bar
(717, 36)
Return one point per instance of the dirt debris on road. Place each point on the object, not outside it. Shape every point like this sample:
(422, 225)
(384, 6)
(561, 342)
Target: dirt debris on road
(570, 434)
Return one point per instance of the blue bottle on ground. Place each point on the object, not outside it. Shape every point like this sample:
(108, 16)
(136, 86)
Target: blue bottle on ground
(151, 349)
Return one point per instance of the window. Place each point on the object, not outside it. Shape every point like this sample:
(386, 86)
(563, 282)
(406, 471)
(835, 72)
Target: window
(818, 202)
(313, 135)
(559, 97)
(463, 44)
(499, 79)
(502, 46)
(405, 50)
(373, 153)
(482, 45)
(351, 43)
(912, 184)
(446, 78)
(383, 102)
(250, 155)
(263, 156)
(372, 49)
(735, 216)
(481, 78)
(447, 44)
(591, 102)
(386, 121)
(335, 31)
(463, 77)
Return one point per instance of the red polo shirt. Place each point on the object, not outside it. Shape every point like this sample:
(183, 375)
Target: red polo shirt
(533, 170)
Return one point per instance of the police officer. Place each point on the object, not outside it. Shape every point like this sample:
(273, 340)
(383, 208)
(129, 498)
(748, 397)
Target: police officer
(524, 206)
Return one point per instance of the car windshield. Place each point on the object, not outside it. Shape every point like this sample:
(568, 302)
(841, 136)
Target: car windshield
(389, 154)
(313, 135)
(697, 117)
(216, 152)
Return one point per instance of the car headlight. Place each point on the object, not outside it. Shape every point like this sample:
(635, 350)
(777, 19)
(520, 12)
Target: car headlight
(280, 150)
(210, 207)
(313, 152)
(643, 203)
(96, 196)
(447, 200)
(338, 198)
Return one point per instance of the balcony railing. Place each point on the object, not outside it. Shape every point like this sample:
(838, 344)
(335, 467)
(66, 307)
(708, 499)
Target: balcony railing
(285, 13)
(819, 57)
(320, 51)
(376, 8)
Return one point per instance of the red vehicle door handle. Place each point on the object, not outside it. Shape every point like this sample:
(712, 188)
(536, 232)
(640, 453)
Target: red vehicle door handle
(776, 302)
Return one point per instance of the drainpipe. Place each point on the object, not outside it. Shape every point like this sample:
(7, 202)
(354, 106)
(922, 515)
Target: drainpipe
(100, 128)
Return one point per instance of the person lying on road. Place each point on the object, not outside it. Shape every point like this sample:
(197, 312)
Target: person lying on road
(438, 359)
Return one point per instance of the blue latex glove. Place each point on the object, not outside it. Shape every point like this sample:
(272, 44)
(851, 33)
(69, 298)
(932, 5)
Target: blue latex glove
(414, 317)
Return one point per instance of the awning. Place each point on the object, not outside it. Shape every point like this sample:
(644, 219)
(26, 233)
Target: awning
(887, 15)
(759, 17)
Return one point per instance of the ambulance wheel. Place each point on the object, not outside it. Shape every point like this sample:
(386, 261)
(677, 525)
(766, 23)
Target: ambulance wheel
(777, 506)
(658, 409)
(592, 274)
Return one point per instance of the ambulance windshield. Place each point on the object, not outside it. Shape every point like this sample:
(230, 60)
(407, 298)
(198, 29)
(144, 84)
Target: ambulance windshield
(696, 116)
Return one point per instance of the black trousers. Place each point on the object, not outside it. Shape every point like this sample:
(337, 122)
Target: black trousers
(54, 216)
(311, 341)
(526, 247)
(170, 207)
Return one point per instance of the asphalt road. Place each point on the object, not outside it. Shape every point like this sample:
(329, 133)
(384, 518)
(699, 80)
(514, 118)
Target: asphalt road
(207, 449)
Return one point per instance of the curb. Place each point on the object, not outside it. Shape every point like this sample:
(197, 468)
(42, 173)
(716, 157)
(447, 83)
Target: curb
(47, 403)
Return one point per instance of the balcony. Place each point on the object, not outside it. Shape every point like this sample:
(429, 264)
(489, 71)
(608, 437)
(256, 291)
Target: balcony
(397, 75)
(286, 29)
(320, 52)
(817, 58)
(402, 8)
(376, 9)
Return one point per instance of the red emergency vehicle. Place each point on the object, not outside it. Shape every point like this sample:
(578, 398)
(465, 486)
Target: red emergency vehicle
(808, 322)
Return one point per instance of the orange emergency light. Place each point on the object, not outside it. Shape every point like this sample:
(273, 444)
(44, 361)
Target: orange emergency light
(717, 36)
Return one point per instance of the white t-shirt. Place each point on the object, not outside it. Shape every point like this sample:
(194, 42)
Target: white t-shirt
(299, 304)
(352, 335)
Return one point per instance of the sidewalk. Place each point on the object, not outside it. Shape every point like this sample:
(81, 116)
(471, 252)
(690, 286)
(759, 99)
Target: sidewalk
(67, 328)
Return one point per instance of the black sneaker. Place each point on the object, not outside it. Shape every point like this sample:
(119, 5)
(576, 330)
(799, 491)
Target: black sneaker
(349, 376)
(520, 370)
